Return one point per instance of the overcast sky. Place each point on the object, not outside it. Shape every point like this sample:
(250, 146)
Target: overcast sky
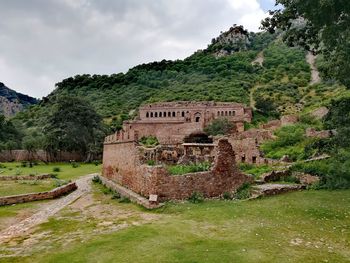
(45, 41)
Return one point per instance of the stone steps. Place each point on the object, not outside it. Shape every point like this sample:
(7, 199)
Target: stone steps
(274, 189)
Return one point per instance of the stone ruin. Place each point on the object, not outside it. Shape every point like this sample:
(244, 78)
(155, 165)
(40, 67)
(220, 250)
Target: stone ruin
(179, 127)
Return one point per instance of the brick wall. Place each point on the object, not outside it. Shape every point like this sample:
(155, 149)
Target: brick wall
(122, 165)
(40, 155)
(57, 192)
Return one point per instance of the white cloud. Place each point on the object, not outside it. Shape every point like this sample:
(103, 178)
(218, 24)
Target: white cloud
(42, 42)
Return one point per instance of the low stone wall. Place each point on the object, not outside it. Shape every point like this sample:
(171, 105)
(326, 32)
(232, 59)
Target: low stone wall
(24, 198)
(40, 155)
(25, 177)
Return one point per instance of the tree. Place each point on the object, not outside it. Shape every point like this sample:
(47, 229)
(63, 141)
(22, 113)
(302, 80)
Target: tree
(321, 26)
(10, 137)
(266, 106)
(220, 126)
(73, 126)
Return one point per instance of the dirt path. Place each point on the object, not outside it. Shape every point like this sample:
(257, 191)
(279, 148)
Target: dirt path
(24, 226)
(315, 75)
(259, 59)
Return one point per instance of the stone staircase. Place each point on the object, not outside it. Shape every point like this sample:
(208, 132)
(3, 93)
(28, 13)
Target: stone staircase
(267, 189)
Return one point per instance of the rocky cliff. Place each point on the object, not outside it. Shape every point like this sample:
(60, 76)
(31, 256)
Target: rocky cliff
(12, 102)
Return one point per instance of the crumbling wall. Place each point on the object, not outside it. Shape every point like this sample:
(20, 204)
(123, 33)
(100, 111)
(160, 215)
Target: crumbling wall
(122, 165)
(40, 155)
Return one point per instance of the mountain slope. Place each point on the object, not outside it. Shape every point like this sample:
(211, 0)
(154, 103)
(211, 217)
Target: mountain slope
(223, 72)
(12, 102)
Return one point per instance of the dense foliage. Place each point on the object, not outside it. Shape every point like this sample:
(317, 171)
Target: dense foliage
(73, 126)
(321, 26)
(10, 137)
(220, 126)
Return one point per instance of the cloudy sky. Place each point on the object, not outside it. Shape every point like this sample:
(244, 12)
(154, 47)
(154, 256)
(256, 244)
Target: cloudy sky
(45, 41)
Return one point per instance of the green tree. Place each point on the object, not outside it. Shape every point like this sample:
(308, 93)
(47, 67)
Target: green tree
(73, 126)
(220, 126)
(321, 26)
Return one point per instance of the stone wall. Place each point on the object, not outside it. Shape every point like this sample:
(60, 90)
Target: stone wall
(40, 155)
(57, 192)
(25, 177)
(122, 165)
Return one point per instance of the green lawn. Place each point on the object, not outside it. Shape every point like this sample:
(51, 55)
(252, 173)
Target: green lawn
(66, 170)
(23, 187)
(308, 226)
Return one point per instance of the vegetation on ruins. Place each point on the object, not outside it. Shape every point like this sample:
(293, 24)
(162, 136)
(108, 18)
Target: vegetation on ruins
(181, 169)
(220, 126)
(149, 141)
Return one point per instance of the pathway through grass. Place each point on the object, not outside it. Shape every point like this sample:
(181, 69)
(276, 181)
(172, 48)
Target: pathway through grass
(309, 226)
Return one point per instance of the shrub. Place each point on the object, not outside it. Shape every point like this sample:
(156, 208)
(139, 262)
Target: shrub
(56, 169)
(151, 162)
(243, 192)
(59, 183)
(96, 179)
(227, 196)
(191, 168)
(116, 195)
(24, 164)
(75, 164)
(220, 126)
(96, 162)
(149, 141)
(196, 197)
(124, 200)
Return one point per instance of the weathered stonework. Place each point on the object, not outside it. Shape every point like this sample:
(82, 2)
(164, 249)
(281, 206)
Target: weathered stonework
(122, 165)
(57, 192)
(170, 122)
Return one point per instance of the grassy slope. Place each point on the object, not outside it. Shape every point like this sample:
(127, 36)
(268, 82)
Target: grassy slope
(67, 172)
(310, 226)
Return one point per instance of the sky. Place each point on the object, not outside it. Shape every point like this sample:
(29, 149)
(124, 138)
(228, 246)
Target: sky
(45, 41)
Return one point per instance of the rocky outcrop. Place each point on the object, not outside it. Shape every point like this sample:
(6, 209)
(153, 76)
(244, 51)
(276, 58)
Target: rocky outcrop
(12, 102)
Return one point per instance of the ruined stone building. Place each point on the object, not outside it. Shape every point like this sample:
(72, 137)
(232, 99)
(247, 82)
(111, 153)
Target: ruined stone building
(179, 127)
(170, 122)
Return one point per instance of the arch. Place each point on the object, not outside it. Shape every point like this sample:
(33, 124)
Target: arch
(222, 113)
(230, 113)
(218, 113)
(151, 114)
(173, 113)
(183, 114)
(160, 114)
(169, 114)
(156, 114)
(147, 114)
(225, 113)
(164, 113)
(197, 117)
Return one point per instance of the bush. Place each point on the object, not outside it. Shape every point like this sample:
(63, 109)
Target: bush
(149, 141)
(96, 162)
(220, 126)
(96, 179)
(196, 197)
(56, 169)
(151, 162)
(243, 192)
(124, 200)
(59, 183)
(227, 196)
(75, 164)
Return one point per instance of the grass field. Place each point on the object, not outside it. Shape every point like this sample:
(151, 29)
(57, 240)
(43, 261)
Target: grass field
(308, 226)
(66, 170)
(23, 187)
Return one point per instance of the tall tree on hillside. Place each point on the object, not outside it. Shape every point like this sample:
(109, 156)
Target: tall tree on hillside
(10, 137)
(321, 26)
(74, 126)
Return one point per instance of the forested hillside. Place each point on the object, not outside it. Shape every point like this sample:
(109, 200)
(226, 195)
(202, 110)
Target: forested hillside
(205, 75)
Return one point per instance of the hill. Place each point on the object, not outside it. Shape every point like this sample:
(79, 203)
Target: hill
(12, 102)
(238, 66)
